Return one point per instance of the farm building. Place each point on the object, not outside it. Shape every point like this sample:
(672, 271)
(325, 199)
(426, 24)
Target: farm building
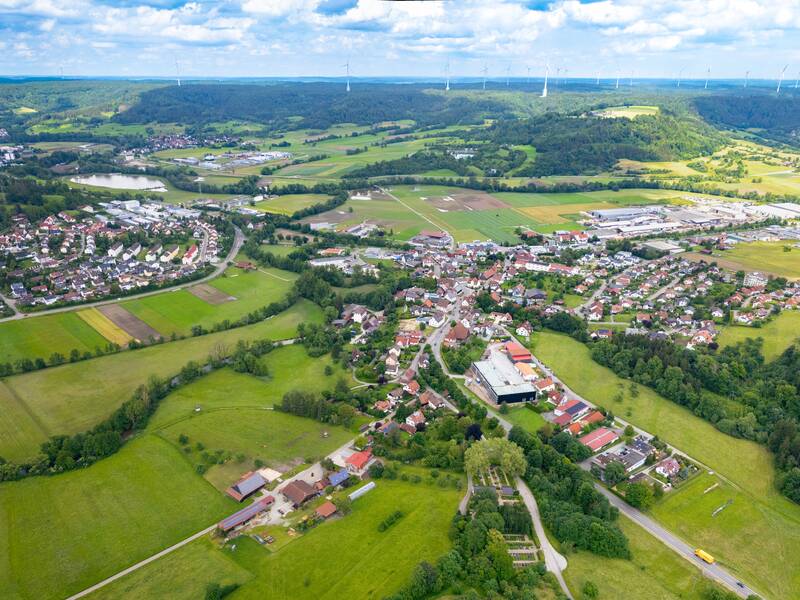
(249, 484)
(501, 380)
(243, 516)
(298, 492)
(328, 509)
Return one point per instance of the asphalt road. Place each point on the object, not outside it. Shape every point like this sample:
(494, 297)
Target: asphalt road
(713, 571)
(238, 240)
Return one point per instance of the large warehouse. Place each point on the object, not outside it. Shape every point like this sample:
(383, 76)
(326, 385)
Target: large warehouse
(501, 380)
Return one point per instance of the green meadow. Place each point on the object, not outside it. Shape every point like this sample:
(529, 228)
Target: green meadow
(778, 334)
(176, 312)
(39, 337)
(290, 203)
(99, 520)
(746, 466)
(75, 397)
(62, 534)
(653, 567)
(343, 558)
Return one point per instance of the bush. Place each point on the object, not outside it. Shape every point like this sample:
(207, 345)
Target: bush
(390, 520)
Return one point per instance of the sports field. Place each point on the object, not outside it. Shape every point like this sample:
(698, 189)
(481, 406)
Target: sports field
(778, 334)
(178, 311)
(747, 465)
(343, 558)
(39, 337)
(74, 397)
(64, 533)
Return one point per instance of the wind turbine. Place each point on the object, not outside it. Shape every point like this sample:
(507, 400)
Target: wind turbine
(347, 71)
(616, 87)
(598, 77)
(630, 80)
(508, 74)
(708, 75)
(780, 79)
(529, 75)
(746, 77)
(796, 81)
(177, 72)
(485, 71)
(447, 77)
(546, 75)
(680, 73)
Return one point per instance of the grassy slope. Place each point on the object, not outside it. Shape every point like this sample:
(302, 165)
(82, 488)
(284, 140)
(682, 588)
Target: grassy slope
(39, 337)
(654, 568)
(183, 574)
(69, 531)
(61, 534)
(778, 334)
(776, 521)
(74, 397)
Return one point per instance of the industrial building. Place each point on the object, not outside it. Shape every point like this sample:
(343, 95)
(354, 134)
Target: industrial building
(501, 379)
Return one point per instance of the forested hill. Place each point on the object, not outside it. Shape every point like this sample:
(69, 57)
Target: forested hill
(778, 116)
(319, 104)
(571, 145)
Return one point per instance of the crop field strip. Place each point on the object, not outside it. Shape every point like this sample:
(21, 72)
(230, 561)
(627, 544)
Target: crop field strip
(129, 323)
(105, 326)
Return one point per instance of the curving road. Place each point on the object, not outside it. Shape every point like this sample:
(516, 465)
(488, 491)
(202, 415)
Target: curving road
(238, 241)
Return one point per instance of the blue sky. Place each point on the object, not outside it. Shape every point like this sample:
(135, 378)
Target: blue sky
(283, 38)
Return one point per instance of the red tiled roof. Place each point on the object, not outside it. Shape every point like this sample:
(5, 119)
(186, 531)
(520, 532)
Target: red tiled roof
(598, 438)
(359, 459)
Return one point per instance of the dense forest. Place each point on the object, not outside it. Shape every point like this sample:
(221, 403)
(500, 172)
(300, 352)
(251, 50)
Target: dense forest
(570, 145)
(734, 388)
(777, 116)
(319, 104)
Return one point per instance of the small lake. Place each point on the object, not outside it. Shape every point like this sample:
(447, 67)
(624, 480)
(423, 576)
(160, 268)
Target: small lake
(121, 182)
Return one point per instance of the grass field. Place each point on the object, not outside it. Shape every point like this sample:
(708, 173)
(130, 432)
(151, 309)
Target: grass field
(767, 257)
(343, 558)
(746, 465)
(178, 311)
(64, 533)
(104, 326)
(181, 575)
(39, 337)
(74, 397)
(291, 203)
(742, 525)
(778, 334)
(243, 423)
(525, 418)
(654, 568)
(629, 112)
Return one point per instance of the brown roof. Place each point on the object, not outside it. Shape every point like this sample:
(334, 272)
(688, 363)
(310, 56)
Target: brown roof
(298, 491)
(326, 510)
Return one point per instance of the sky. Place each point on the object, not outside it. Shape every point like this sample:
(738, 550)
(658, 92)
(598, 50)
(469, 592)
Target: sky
(302, 38)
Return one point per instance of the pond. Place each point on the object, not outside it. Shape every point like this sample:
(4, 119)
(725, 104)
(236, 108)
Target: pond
(121, 182)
